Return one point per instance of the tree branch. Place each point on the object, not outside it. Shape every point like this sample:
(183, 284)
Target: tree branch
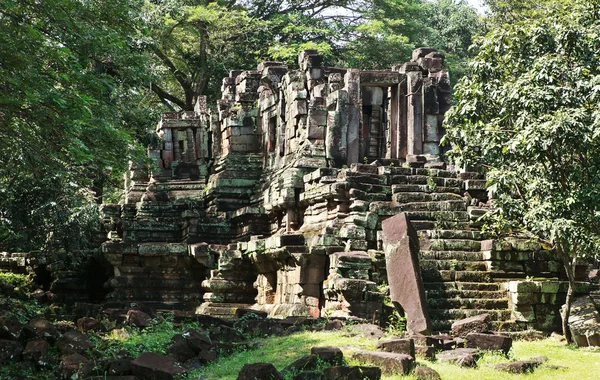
(166, 98)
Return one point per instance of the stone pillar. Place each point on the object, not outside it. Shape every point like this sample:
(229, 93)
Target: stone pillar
(354, 110)
(414, 114)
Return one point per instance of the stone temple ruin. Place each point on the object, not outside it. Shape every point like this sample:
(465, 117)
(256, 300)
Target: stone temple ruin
(275, 200)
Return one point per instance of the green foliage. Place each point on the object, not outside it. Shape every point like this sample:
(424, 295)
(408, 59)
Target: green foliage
(68, 71)
(155, 338)
(16, 299)
(529, 115)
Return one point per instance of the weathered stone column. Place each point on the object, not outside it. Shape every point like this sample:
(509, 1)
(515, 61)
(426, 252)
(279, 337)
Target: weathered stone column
(354, 110)
(414, 114)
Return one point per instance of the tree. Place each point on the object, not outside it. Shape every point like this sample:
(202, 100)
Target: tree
(529, 115)
(70, 73)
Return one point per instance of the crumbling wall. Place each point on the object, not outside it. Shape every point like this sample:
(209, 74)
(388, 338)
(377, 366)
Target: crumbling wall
(275, 199)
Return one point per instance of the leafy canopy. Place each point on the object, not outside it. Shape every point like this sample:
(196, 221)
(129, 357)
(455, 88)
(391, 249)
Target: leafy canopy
(529, 114)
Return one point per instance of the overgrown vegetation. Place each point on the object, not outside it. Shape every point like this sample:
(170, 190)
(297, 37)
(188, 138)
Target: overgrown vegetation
(16, 298)
(528, 115)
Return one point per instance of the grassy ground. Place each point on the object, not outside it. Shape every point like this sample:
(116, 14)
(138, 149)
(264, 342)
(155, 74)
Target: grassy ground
(575, 363)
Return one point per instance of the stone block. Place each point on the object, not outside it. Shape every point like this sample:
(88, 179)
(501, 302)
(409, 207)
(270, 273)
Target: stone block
(390, 363)
(489, 342)
(398, 346)
(478, 323)
(352, 373)
(464, 357)
(401, 246)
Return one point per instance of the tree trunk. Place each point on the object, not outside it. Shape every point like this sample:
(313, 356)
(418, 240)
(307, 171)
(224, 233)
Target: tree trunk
(570, 265)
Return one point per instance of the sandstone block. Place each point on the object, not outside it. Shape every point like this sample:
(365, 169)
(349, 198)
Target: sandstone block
(489, 342)
(401, 246)
(155, 366)
(261, 371)
(478, 323)
(398, 346)
(353, 373)
(464, 357)
(390, 363)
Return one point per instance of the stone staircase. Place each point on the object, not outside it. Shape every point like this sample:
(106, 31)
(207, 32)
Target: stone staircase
(457, 280)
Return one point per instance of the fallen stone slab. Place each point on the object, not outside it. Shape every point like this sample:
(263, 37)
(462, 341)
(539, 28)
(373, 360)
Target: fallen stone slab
(261, 371)
(74, 366)
(425, 373)
(489, 342)
(401, 246)
(36, 351)
(10, 350)
(156, 366)
(425, 352)
(73, 342)
(464, 357)
(305, 363)
(398, 346)
(327, 354)
(353, 373)
(477, 324)
(518, 367)
(389, 362)
(10, 328)
(40, 329)
(138, 318)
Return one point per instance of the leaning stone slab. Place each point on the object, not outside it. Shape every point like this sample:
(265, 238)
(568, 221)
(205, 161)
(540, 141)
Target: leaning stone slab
(477, 324)
(390, 363)
(401, 246)
(464, 357)
(398, 346)
(489, 342)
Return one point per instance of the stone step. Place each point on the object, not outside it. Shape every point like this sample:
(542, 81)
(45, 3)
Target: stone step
(430, 225)
(468, 303)
(454, 293)
(439, 216)
(409, 197)
(450, 205)
(431, 181)
(454, 234)
(452, 255)
(412, 188)
(451, 245)
(434, 275)
(476, 286)
(457, 314)
(497, 326)
(453, 265)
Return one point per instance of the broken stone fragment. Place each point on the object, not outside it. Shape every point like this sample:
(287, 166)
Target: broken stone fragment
(464, 357)
(264, 371)
(478, 324)
(489, 342)
(390, 363)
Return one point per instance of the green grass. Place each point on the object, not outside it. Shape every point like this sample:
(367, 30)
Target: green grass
(155, 338)
(580, 363)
